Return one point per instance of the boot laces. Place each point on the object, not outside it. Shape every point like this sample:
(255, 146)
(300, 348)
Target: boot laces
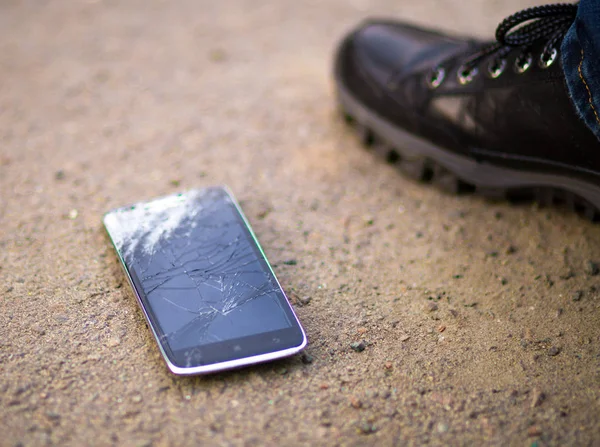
(520, 30)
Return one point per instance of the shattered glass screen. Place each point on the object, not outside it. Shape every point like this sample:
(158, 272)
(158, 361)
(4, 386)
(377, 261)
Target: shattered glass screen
(200, 273)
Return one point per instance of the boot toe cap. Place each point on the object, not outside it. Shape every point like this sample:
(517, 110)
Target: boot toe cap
(378, 50)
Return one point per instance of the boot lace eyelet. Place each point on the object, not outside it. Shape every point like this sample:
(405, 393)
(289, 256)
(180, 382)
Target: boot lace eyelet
(465, 74)
(522, 63)
(547, 58)
(436, 77)
(496, 68)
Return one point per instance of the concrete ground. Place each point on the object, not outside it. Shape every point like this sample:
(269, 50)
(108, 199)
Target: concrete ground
(481, 320)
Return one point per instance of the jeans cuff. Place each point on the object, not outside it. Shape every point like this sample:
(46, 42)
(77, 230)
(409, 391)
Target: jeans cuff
(580, 75)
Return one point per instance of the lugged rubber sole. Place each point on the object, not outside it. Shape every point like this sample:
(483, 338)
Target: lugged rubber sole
(426, 162)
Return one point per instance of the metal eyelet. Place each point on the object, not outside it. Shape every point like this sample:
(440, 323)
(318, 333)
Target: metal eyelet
(496, 68)
(436, 77)
(523, 62)
(547, 59)
(466, 75)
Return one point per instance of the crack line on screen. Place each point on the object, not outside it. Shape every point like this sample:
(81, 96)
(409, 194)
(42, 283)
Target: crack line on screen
(215, 263)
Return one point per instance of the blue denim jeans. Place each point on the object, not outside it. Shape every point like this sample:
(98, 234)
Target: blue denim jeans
(581, 63)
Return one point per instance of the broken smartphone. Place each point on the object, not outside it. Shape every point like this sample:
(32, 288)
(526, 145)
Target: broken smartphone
(206, 288)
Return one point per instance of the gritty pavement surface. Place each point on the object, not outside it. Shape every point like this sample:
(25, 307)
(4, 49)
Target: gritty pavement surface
(431, 319)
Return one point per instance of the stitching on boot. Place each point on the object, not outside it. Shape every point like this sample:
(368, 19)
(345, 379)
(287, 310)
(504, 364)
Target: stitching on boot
(587, 88)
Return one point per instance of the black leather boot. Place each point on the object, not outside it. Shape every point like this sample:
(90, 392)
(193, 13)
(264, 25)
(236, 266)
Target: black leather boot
(490, 117)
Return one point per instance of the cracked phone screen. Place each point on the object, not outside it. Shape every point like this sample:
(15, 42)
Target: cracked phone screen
(202, 277)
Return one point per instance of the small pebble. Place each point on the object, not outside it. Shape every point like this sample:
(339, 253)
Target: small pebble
(431, 307)
(215, 427)
(325, 418)
(358, 346)
(111, 343)
(592, 268)
(366, 428)
(405, 338)
(355, 402)
(442, 427)
(264, 213)
(534, 430)
(537, 397)
(554, 350)
(38, 330)
(304, 300)
(307, 359)
(548, 280)
(53, 416)
(577, 295)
